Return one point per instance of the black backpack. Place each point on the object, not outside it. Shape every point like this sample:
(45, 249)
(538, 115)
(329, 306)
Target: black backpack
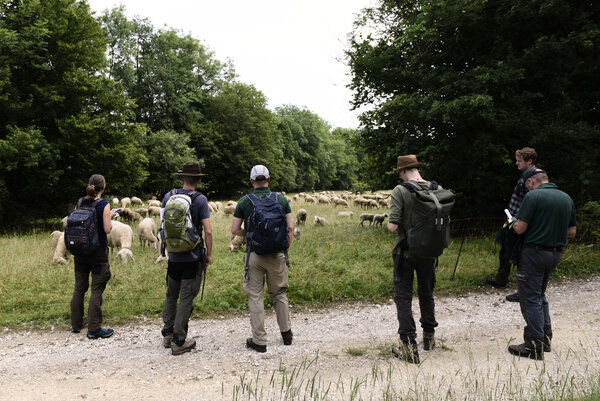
(81, 232)
(267, 226)
(428, 233)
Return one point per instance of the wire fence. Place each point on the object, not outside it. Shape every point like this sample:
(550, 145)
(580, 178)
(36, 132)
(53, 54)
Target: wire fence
(475, 227)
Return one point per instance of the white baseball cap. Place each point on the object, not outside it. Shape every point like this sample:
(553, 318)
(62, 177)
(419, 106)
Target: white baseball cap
(257, 171)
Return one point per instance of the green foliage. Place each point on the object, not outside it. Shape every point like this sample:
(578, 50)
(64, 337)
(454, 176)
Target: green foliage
(588, 223)
(464, 84)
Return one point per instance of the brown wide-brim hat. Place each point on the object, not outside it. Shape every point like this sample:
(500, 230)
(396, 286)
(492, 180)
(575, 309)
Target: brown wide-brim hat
(190, 169)
(407, 161)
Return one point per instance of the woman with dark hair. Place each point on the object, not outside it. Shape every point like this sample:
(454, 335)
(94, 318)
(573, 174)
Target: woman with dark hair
(95, 263)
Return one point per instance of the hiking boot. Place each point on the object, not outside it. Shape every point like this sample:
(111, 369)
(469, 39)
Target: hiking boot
(513, 297)
(100, 333)
(494, 283)
(254, 346)
(428, 341)
(287, 337)
(167, 340)
(78, 329)
(529, 350)
(187, 346)
(407, 352)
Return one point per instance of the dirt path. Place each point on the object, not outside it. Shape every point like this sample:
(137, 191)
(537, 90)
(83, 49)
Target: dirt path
(342, 352)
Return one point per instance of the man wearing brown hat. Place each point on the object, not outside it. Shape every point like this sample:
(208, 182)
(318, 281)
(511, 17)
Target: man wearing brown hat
(405, 266)
(185, 267)
(546, 218)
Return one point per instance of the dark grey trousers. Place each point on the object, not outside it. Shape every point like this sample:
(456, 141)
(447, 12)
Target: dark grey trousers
(404, 272)
(95, 305)
(175, 318)
(533, 272)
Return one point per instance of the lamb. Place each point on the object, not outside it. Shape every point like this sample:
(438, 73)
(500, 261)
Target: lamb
(60, 252)
(125, 202)
(121, 237)
(365, 217)
(137, 201)
(345, 214)
(146, 232)
(154, 202)
(300, 217)
(378, 219)
(319, 221)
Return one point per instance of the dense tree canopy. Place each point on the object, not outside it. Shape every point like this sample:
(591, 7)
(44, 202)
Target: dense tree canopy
(464, 84)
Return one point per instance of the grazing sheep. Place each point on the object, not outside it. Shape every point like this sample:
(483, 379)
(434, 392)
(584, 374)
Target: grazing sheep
(56, 235)
(371, 203)
(300, 217)
(365, 217)
(146, 232)
(383, 202)
(231, 203)
(378, 219)
(61, 255)
(142, 211)
(319, 221)
(229, 209)
(136, 201)
(121, 237)
(154, 202)
(345, 214)
(125, 202)
(115, 201)
(236, 244)
(358, 201)
(129, 215)
(219, 206)
(64, 221)
(296, 233)
(154, 210)
(310, 199)
(341, 202)
(295, 198)
(324, 200)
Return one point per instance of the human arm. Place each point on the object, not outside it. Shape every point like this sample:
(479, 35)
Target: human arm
(392, 227)
(520, 227)
(290, 226)
(106, 219)
(236, 226)
(571, 231)
(395, 210)
(208, 239)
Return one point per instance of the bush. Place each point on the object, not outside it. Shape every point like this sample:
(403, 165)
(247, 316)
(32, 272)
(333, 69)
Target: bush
(588, 223)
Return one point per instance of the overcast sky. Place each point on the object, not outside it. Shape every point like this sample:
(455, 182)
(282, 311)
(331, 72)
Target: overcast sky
(291, 50)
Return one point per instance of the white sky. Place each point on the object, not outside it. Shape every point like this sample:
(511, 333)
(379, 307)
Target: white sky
(291, 50)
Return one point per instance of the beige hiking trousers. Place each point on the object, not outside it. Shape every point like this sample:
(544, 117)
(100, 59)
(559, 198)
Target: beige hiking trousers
(273, 267)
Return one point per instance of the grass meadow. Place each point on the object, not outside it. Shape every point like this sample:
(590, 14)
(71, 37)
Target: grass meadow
(338, 262)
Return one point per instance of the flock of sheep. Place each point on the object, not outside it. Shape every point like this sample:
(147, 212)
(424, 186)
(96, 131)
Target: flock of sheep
(134, 210)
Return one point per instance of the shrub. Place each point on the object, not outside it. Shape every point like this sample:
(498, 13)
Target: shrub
(588, 223)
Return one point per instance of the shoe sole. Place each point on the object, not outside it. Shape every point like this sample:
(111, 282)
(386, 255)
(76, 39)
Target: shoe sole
(181, 351)
(254, 347)
(530, 355)
(93, 337)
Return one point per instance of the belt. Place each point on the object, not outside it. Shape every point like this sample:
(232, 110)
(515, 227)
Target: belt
(544, 247)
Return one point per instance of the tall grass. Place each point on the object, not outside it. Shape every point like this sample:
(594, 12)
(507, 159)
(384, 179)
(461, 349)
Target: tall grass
(338, 262)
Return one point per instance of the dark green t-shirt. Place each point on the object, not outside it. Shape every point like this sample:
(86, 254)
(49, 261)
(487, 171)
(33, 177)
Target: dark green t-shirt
(244, 207)
(548, 212)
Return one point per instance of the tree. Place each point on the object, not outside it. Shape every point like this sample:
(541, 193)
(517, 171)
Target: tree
(60, 119)
(464, 84)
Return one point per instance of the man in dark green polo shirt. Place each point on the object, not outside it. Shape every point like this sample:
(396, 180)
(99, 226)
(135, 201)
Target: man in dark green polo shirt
(547, 219)
(273, 265)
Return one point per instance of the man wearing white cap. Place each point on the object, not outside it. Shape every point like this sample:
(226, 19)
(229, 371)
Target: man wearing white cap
(268, 257)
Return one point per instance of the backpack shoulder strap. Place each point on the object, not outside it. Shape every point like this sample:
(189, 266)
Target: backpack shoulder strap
(433, 186)
(409, 186)
(253, 198)
(273, 196)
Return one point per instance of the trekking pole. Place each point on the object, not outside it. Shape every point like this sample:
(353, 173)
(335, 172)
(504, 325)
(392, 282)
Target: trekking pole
(459, 252)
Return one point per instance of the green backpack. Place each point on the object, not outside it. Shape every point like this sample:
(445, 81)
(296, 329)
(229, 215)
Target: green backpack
(178, 230)
(428, 233)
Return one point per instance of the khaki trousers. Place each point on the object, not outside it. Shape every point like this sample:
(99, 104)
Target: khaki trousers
(272, 266)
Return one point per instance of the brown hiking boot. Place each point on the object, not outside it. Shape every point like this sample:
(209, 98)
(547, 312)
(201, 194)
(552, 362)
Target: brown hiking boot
(407, 352)
(167, 340)
(428, 341)
(187, 346)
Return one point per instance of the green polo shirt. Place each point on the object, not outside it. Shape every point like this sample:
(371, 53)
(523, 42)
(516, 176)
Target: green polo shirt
(548, 212)
(244, 207)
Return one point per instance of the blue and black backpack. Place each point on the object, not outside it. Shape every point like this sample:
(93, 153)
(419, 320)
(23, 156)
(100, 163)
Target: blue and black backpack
(267, 230)
(81, 232)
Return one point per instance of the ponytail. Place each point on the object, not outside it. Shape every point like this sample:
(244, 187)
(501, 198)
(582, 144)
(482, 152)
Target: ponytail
(95, 185)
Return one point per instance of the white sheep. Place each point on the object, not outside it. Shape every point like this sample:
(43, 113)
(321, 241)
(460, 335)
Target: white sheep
(229, 209)
(115, 201)
(231, 203)
(121, 237)
(378, 219)
(125, 202)
(237, 242)
(365, 217)
(296, 233)
(310, 199)
(341, 202)
(61, 255)
(142, 211)
(137, 201)
(154, 202)
(301, 217)
(219, 206)
(319, 221)
(324, 200)
(154, 210)
(345, 214)
(146, 232)
(56, 235)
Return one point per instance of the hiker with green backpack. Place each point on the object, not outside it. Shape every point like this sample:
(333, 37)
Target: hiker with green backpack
(419, 215)
(186, 235)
